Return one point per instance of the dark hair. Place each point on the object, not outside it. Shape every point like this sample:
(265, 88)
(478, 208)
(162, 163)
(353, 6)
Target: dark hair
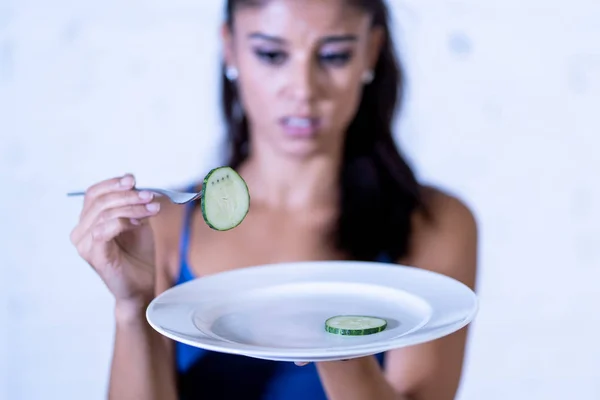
(379, 192)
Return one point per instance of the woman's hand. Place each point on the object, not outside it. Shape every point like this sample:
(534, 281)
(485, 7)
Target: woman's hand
(115, 238)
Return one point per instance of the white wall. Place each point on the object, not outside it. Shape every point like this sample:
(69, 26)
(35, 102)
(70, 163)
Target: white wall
(504, 110)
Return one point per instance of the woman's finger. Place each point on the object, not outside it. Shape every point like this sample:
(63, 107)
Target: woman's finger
(116, 200)
(132, 211)
(96, 242)
(104, 206)
(125, 182)
(107, 231)
(301, 364)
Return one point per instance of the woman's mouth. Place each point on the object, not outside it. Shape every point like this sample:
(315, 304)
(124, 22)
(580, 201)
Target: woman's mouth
(300, 127)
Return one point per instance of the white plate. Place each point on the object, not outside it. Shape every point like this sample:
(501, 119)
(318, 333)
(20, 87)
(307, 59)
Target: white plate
(278, 312)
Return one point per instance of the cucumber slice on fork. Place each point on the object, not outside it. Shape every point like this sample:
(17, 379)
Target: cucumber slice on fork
(225, 199)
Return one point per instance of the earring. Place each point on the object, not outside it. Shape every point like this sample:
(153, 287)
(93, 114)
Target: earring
(368, 77)
(231, 73)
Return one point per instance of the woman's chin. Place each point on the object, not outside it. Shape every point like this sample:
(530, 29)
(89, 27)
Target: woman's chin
(305, 148)
(300, 150)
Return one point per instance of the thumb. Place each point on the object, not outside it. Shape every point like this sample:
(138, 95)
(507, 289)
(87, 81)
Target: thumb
(301, 364)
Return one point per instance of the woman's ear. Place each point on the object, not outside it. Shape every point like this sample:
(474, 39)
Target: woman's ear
(227, 45)
(375, 44)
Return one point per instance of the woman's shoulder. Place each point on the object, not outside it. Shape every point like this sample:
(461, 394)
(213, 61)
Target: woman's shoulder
(445, 236)
(443, 209)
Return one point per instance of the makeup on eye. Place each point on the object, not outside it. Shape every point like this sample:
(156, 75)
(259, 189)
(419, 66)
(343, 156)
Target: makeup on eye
(274, 57)
(335, 50)
(334, 58)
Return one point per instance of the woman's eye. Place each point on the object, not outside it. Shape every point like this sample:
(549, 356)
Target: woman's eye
(271, 57)
(277, 57)
(336, 59)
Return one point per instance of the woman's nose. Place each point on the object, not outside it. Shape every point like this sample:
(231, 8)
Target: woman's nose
(302, 80)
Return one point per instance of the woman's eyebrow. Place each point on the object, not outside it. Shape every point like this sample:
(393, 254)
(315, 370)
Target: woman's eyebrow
(324, 40)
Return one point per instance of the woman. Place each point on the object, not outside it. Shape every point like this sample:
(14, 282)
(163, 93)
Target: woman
(309, 93)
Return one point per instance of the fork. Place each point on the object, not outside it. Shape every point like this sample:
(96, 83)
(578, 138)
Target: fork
(174, 196)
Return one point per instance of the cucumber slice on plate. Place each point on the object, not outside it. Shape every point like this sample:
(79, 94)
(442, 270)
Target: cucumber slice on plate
(355, 325)
(225, 199)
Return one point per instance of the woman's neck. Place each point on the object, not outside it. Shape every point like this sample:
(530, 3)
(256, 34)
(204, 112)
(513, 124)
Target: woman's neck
(293, 183)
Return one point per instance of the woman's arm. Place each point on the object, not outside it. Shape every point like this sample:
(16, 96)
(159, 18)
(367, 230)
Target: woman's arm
(143, 364)
(429, 371)
(357, 379)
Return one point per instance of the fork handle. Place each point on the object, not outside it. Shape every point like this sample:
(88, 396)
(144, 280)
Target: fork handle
(75, 194)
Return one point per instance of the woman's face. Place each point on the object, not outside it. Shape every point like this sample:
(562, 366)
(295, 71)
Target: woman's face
(301, 67)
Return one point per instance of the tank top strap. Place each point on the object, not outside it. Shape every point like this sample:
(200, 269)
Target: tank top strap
(184, 242)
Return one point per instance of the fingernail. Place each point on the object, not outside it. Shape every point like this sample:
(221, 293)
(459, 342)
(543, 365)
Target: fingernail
(126, 181)
(135, 222)
(145, 195)
(153, 207)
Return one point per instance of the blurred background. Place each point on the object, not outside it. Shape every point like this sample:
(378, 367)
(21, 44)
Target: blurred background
(503, 109)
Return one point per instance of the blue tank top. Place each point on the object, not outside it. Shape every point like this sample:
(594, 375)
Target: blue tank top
(212, 375)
